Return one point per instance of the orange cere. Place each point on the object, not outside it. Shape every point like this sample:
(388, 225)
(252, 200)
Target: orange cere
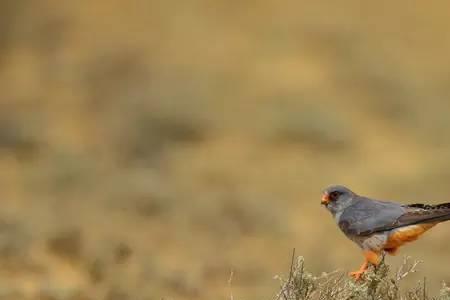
(325, 198)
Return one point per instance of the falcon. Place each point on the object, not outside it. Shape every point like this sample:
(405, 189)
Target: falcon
(377, 226)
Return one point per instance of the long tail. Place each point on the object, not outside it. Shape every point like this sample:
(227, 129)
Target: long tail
(425, 213)
(436, 219)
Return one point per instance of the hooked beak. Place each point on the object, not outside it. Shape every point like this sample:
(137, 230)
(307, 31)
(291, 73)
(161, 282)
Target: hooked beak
(325, 199)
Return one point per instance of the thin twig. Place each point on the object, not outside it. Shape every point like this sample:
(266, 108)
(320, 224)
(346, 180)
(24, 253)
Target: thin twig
(283, 289)
(301, 276)
(292, 265)
(405, 270)
(424, 288)
(230, 282)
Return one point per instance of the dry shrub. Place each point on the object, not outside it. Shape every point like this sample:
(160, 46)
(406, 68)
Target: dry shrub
(377, 283)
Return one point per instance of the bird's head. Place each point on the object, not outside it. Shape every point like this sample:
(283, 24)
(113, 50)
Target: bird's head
(336, 198)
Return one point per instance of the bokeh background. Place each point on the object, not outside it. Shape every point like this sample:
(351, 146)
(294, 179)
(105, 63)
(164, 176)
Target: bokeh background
(148, 148)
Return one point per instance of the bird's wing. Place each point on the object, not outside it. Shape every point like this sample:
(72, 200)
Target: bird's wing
(368, 216)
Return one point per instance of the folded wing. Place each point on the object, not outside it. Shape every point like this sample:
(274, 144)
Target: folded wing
(368, 216)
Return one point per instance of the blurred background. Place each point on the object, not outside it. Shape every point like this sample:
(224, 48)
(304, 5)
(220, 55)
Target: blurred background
(148, 148)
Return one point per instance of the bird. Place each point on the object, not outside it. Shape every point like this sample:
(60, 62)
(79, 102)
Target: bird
(377, 226)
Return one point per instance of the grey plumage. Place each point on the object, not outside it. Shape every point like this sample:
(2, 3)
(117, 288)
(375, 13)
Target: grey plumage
(380, 226)
(370, 222)
(366, 216)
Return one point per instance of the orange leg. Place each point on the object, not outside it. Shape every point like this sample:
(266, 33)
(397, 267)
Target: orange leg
(357, 274)
(369, 257)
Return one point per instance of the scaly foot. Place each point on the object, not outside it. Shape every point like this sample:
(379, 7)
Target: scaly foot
(357, 274)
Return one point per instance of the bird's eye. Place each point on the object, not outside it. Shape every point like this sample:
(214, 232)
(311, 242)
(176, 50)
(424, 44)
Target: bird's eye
(334, 195)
